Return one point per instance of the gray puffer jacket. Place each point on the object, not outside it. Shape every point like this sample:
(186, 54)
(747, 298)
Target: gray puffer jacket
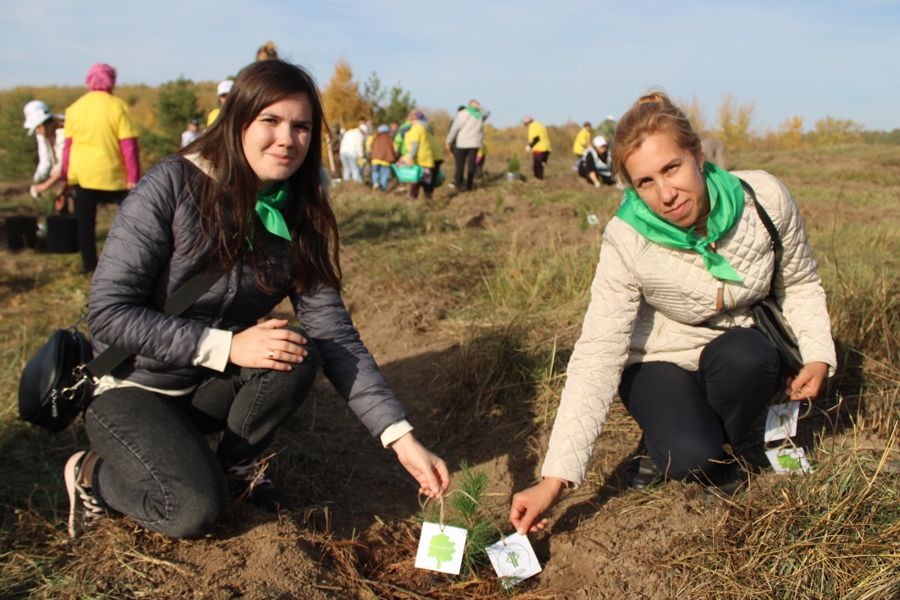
(156, 245)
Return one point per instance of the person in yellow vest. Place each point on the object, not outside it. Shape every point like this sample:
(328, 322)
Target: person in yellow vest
(582, 140)
(224, 89)
(538, 145)
(419, 145)
(101, 160)
(479, 160)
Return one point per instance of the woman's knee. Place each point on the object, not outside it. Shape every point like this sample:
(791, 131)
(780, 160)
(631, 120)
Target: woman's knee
(191, 512)
(740, 351)
(691, 458)
(176, 504)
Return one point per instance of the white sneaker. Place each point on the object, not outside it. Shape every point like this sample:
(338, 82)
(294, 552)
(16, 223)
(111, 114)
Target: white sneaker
(86, 503)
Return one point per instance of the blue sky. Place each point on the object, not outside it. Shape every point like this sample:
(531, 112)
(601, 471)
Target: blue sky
(556, 61)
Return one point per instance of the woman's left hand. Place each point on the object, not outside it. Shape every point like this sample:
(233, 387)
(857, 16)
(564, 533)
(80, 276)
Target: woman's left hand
(268, 345)
(430, 471)
(808, 382)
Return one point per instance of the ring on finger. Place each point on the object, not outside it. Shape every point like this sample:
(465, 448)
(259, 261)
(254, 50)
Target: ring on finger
(271, 354)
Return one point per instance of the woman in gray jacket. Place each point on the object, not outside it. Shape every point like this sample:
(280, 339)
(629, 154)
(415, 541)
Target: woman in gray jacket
(669, 325)
(246, 199)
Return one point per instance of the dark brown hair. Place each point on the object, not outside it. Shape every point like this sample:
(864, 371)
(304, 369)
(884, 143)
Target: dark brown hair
(653, 112)
(228, 195)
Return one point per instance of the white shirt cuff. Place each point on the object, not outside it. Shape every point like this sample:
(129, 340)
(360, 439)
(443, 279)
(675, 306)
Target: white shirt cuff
(214, 349)
(394, 432)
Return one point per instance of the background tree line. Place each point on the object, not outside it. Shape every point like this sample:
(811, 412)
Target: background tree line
(162, 113)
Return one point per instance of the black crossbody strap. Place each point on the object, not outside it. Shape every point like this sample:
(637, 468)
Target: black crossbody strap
(777, 247)
(180, 300)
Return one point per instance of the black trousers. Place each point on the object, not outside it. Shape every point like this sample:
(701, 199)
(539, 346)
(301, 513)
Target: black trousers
(86, 201)
(688, 416)
(540, 159)
(156, 466)
(465, 158)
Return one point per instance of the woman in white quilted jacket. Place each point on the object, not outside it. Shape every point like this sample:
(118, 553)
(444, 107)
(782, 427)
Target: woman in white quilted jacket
(668, 328)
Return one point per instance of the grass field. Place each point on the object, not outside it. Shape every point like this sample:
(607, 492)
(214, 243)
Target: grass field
(494, 285)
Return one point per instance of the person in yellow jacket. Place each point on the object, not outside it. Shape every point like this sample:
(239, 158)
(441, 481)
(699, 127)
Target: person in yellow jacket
(538, 145)
(420, 150)
(223, 89)
(582, 140)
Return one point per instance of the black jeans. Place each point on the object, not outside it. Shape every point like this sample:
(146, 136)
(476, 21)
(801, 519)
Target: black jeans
(428, 182)
(86, 201)
(157, 467)
(540, 159)
(688, 416)
(465, 158)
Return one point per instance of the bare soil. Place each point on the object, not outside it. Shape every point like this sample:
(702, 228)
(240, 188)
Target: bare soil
(353, 532)
(605, 540)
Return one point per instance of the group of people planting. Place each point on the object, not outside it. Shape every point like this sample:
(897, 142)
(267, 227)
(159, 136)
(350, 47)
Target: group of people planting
(668, 329)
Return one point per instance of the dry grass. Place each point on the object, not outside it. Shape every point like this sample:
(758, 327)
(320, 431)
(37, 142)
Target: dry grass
(513, 309)
(829, 534)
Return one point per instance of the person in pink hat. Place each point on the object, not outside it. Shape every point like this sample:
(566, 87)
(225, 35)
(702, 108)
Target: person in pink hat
(101, 160)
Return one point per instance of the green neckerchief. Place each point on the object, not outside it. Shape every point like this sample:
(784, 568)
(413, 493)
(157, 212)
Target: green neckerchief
(474, 112)
(726, 201)
(270, 201)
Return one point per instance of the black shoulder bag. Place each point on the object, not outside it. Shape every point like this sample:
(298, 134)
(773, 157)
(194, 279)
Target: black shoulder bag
(57, 383)
(767, 316)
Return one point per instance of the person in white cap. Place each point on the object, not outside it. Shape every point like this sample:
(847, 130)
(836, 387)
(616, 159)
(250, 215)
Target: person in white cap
(595, 165)
(353, 148)
(223, 89)
(48, 131)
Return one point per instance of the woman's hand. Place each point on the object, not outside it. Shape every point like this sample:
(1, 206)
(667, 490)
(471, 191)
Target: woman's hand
(267, 346)
(430, 471)
(808, 382)
(530, 504)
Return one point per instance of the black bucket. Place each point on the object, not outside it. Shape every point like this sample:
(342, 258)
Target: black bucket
(62, 234)
(21, 232)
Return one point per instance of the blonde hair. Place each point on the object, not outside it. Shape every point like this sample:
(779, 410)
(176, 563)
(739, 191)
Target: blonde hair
(652, 113)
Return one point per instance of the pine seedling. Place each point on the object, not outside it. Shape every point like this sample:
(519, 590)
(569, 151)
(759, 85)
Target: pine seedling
(468, 507)
(471, 494)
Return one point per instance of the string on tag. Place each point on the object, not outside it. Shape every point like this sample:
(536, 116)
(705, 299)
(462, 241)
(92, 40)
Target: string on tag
(441, 524)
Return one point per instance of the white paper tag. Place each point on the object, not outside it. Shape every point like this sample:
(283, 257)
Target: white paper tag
(515, 561)
(781, 421)
(788, 460)
(441, 550)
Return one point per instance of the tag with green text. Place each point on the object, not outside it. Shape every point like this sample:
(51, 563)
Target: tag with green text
(513, 559)
(441, 548)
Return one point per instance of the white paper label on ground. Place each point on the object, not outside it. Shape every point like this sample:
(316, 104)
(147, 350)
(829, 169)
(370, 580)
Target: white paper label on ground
(441, 549)
(781, 421)
(788, 460)
(514, 561)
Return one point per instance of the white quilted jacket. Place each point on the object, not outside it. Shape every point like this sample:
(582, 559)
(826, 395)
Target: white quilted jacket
(649, 303)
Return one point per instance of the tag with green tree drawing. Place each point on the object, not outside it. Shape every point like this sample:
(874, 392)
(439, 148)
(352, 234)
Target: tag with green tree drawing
(789, 460)
(441, 549)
